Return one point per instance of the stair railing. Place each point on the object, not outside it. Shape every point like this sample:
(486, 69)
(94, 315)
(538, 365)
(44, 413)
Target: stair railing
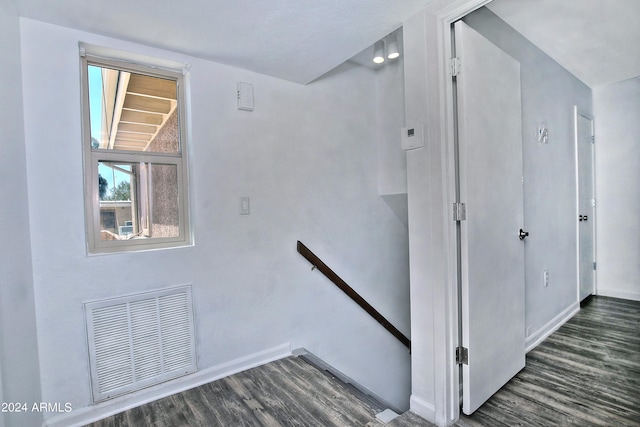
(351, 293)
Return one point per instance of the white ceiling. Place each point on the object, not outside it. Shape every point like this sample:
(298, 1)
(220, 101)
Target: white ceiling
(598, 41)
(296, 40)
(300, 40)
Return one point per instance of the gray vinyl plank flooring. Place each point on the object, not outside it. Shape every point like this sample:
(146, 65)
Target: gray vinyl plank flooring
(585, 374)
(286, 392)
(409, 419)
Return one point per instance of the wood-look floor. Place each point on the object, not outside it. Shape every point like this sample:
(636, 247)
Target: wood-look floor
(286, 392)
(585, 374)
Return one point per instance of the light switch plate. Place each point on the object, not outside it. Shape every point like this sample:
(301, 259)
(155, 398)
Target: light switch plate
(244, 206)
(245, 96)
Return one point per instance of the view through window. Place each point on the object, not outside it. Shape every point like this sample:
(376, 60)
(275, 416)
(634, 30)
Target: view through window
(133, 159)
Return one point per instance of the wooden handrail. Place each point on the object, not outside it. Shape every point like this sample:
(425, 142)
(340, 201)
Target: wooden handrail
(351, 293)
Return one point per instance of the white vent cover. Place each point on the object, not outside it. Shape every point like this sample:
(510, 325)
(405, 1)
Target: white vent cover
(140, 340)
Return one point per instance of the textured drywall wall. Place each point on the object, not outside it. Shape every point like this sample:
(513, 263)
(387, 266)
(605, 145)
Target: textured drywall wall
(307, 158)
(18, 345)
(616, 110)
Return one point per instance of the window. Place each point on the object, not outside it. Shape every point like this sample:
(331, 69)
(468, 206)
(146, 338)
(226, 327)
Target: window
(135, 161)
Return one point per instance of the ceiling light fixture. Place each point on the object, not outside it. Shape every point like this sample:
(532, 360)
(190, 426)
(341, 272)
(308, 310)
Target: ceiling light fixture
(392, 48)
(378, 52)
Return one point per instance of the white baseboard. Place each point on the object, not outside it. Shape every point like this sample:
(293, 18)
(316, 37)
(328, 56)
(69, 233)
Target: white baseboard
(89, 414)
(422, 408)
(551, 326)
(364, 391)
(614, 293)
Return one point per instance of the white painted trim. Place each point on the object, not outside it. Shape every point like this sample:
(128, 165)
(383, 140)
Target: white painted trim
(576, 148)
(102, 410)
(551, 326)
(614, 293)
(436, 112)
(447, 13)
(422, 408)
(577, 112)
(103, 52)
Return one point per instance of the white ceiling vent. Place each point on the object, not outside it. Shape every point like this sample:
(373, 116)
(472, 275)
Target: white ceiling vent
(140, 340)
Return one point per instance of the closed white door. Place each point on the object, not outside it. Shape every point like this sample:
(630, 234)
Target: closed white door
(492, 235)
(586, 205)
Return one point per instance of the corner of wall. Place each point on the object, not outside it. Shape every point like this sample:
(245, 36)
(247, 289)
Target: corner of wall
(19, 362)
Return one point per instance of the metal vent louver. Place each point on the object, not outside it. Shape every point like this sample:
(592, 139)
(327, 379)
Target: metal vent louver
(140, 340)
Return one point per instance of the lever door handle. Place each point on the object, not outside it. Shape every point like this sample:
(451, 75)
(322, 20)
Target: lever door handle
(522, 234)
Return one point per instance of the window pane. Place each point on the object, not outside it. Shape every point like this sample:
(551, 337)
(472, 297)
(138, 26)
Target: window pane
(164, 200)
(132, 112)
(138, 200)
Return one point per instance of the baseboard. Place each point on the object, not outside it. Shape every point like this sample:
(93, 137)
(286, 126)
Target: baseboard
(613, 293)
(551, 326)
(422, 408)
(89, 414)
(363, 393)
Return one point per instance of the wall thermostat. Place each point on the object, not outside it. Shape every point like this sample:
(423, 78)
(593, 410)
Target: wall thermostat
(412, 137)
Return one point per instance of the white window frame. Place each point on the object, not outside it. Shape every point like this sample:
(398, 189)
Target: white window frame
(93, 156)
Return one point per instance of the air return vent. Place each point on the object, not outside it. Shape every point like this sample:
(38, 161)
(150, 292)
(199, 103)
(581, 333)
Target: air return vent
(140, 340)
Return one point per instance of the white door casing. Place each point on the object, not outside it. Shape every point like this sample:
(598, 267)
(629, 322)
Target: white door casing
(491, 186)
(585, 215)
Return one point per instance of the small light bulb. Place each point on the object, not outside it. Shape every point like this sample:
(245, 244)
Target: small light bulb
(378, 52)
(392, 47)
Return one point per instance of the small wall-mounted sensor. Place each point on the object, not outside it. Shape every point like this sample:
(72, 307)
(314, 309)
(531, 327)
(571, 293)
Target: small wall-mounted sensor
(245, 96)
(412, 137)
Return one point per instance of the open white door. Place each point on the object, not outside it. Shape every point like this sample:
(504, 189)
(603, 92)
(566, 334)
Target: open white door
(492, 239)
(586, 204)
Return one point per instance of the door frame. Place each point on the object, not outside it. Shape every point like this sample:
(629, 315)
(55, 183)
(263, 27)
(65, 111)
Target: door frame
(577, 112)
(446, 13)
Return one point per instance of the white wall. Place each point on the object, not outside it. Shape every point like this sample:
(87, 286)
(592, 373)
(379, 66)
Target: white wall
(392, 159)
(390, 119)
(306, 157)
(549, 93)
(19, 372)
(617, 131)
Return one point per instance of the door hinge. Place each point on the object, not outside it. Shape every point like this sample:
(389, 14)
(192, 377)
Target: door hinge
(459, 212)
(593, 139)
(454, 66)
(462, 356)
(594, 265)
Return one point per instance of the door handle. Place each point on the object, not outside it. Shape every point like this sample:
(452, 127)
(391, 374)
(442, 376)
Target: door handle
(583, 217)
(522, 234)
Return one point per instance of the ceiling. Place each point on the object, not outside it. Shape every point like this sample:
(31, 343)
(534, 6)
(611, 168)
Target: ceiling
(296, 40)
(300, 40)
(598, 41)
